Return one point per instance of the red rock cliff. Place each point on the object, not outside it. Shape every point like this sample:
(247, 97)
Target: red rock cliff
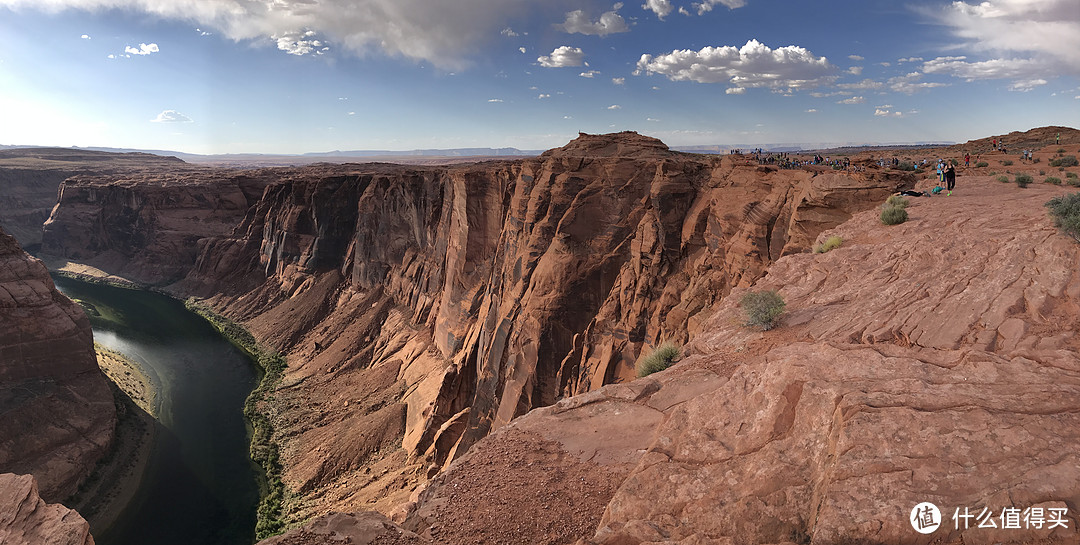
(423, 307)
(25, 519)
(56, 410)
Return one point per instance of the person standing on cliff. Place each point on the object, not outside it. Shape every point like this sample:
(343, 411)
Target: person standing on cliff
(950, 179)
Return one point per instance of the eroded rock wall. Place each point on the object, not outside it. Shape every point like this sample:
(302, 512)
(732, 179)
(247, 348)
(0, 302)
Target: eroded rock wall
(25, 519)
(423, 307)
(56, 410)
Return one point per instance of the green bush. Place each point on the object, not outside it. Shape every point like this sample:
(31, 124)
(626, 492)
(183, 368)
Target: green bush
(663, 357)
(1035, 160)
(906, 165)
(1007, 163)
(1067, 161)
(954, 162)
(1061, 151)
(982, 164)
(762, 308)
(1053, 180)
(893, 215)
(897, 201)
(1066, 213)
(1042, 172)
(1023, 180)
(1003, 179)
(1070, 175)
(830, 243)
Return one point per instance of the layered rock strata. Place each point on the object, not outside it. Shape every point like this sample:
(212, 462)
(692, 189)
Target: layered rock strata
(423, 307)
(25, 519)
(57, 415)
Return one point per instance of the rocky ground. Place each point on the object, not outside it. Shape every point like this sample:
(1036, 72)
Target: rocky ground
(26, 519)
(930, 361)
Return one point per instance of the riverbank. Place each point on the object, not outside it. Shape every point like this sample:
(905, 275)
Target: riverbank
(264, 449)
(86, 273)
(110, 488)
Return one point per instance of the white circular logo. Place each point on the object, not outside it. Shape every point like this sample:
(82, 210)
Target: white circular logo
(925, 518)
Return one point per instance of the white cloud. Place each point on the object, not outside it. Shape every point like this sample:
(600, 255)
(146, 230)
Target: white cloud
(1026, 85)
(708, 5)
(614, 107)
(619, 81)
(855, 70)
(202, 32)
(85, 36)
(352, 113)
(577, 22)
(544, 95)
(885, 106)
(509, 32)
(653, 119)
(567, 117)
(300, 43)
(562, 56)
(660, 7)
(1021, 70)
(886, 113)
(171, 116)
(111, 56)
(495, 100)
(752, 65)
(862, 85)
(735, 90)
(856, 58)
(812, 111)
(885, 64)
(143, 49)
(910, 59)
(522, 49)
(446, 34)
(911, 83)
(589, 74)
(852, 100)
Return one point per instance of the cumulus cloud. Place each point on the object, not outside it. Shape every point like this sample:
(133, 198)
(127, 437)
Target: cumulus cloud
(856, 58)
(171, 116)
(660, 7)
(861, 85)
(887, 113)
(619, 81)
(959, 67)
(1045, 33)
(508, 32)
(752, 65)
(522, 49)
(495, 100)
(300, 43)
(708, 5)
(143, 49)
(614, 107)
(1026, 85)
(562, 56)
(446, 34)
(734, 90)
(812, 111)
(852, 100)
(912, 83)
(577, 22)
(855, 70)
(85, 36)
(910, 59)
(589, 73)
(544, 95)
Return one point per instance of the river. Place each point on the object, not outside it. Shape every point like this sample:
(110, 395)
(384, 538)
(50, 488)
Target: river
(199, 487)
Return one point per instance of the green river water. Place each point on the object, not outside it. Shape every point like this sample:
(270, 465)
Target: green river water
(199, 487)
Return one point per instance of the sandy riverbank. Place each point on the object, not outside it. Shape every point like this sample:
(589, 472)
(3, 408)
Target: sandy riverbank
(115, 481)
(86, 273)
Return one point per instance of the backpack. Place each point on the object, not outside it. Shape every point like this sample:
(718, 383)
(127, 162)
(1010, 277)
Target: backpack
(937, 190)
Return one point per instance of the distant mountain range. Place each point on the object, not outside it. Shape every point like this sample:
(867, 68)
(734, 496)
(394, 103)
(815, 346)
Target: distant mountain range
(421, 156)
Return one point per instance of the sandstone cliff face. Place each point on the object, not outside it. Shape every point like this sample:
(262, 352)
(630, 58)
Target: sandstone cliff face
(423, 307)
(25, 519)
(56, 410)
(29, 178)
(932, 361)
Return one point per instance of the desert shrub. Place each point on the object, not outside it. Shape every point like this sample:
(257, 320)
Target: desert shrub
(954, 162)
(897, 200)
(1070, 175)
(893, 215)
(1053, 180)
(906, 165)
(1035, 160)
(982, 164)
(1042, 172)
(1007, 163)
(1023, 180)
(663, 357)
(830, 243)
(1067, 161)
(1003, 179)
(762, 308)
(1061, 151)
(1066, 213)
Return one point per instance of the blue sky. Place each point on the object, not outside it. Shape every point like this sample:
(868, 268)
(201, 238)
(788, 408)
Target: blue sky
(294, 76)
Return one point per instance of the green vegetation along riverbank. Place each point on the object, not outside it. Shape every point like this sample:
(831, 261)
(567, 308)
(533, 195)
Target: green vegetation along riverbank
(264, 451)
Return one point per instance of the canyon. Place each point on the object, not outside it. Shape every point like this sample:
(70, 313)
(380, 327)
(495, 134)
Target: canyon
(466, 335)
